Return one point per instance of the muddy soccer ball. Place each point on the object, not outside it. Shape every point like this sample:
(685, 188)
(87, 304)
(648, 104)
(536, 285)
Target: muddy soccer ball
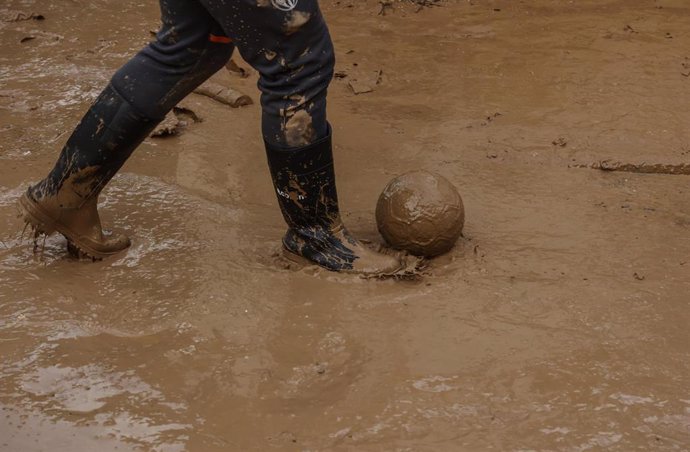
(420, 212)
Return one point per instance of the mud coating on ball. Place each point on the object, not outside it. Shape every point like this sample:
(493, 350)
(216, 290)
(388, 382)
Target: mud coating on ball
(420, 212)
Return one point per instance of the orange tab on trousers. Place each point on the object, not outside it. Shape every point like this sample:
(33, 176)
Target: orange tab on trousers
(219, 39)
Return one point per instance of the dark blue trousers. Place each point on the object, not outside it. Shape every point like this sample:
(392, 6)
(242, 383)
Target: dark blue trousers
(286, 41)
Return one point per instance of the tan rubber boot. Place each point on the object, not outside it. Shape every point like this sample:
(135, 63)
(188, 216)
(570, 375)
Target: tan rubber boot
(66, 200)
(80, 224)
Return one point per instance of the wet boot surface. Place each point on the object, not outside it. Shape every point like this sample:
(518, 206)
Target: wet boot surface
(337, 250)
(81, 226)
(304, 181)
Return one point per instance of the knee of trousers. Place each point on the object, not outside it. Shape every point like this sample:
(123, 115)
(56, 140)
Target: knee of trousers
(165, 71)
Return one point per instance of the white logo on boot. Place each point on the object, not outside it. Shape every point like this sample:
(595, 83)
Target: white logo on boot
(284, 5)
(286, 195)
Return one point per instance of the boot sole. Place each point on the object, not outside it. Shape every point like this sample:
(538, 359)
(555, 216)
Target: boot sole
(296, 258)
(303, 261)
(402, 272)
(45, 224)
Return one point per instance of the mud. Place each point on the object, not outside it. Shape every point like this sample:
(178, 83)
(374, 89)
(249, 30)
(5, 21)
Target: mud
(643, 167)
(298, 128)
(177, 120)
(296, 21)
(224, 94)
(420, 212)
(558, 323)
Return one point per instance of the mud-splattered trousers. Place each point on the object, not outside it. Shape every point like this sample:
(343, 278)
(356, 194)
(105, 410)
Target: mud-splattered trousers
(286, 41)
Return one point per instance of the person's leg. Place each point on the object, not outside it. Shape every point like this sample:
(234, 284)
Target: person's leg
(189, 48)
(288, 42)
(293, 53)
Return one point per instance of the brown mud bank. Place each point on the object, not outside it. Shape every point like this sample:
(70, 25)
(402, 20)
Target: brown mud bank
(558, 323)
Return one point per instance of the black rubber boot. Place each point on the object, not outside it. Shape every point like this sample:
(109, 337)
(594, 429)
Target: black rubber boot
(66, 200)
(304, 180)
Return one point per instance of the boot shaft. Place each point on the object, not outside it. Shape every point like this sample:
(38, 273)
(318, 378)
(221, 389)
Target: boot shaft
(101, 143)
(304, 180)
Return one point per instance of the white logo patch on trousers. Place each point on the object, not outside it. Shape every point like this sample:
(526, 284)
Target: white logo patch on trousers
(284, 5)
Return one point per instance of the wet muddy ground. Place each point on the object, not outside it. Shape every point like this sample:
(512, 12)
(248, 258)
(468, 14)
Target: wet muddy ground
(560, 322)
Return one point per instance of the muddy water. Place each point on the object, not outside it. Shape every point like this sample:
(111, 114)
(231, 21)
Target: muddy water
(558, 323)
